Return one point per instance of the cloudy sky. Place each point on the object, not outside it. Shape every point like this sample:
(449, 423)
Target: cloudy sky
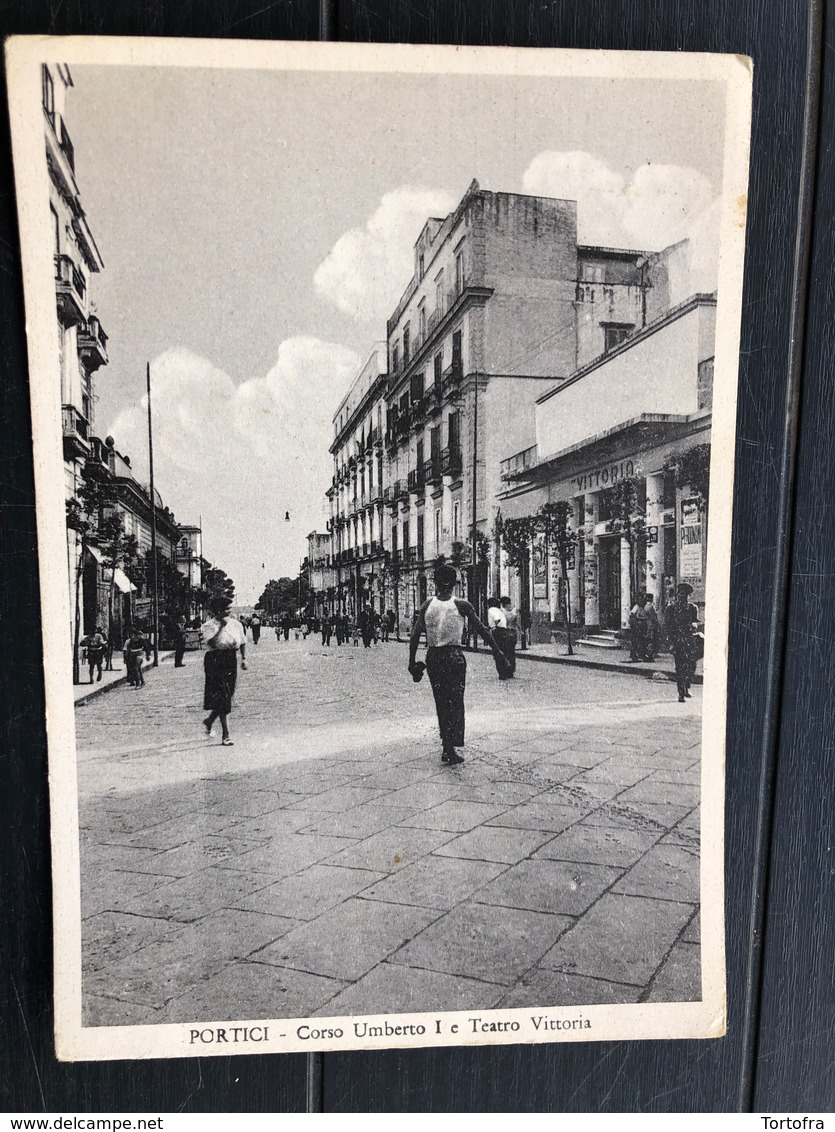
(257, 229)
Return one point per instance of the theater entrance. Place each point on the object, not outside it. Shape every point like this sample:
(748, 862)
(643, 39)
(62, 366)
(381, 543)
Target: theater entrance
(608, 556)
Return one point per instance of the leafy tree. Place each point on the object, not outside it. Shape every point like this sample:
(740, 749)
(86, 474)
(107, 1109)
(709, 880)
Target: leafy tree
(516, 536)
(554, 521)
(629, 521)
(218, 584)
(285, 596)
(691, 469)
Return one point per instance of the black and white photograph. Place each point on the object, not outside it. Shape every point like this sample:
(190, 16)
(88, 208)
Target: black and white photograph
(383, 410)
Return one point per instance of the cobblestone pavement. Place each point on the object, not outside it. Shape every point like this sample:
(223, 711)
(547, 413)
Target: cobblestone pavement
(329, 864)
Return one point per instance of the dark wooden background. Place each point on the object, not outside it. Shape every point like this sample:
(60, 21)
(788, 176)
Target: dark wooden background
(777, 1055)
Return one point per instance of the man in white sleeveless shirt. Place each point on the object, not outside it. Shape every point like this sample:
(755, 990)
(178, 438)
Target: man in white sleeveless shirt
(442, 617)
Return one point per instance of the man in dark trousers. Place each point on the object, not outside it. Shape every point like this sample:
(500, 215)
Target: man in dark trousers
(326, 629)
(442, 618)
(255, 626)
(366, 624)
(179, 642)
(680, 622)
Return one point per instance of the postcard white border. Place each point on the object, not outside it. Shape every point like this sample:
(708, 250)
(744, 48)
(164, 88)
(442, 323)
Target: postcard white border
(75, 1042)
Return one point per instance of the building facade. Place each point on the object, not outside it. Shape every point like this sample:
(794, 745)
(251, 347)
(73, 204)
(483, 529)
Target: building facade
(356, 524)
(625, 442)
(319, 573)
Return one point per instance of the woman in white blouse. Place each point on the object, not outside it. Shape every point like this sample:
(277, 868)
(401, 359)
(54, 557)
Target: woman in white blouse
(223, 636)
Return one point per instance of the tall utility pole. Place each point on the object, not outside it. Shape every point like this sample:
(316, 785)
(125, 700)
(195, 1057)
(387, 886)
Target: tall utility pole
(155, 595)
(474, 541)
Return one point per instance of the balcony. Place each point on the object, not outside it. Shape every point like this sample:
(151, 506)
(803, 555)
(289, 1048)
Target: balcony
(71, 292)
(451, 461)
(76, 433)
(376, 548)
(402, 424)
(452, 376)
(432, 473)
(432, 400)
(514, 466)
(418, 411)
(416, 481)
(92, 345)
(388, 494)
(66, 145)
(401, 490)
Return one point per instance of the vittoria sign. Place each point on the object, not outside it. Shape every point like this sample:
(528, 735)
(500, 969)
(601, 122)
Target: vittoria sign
(605, 477)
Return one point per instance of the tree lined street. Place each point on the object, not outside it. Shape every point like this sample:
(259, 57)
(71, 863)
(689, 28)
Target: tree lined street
(329, 864)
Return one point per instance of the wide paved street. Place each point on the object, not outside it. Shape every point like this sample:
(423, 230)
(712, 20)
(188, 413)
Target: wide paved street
(328, 863)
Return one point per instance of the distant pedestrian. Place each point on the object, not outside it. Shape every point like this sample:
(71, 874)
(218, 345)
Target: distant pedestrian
(366, 624)
(327, 630)
(223, 636)
(339, 628)
(135, 646)
(508, 640)
(278, 631)
(95, 646)
(442, 618)
(497, 623)
(653, 629)
(179, 642)
(680, 622)
(255, 626)
(356, 634)
(638, 629)
(285, 627)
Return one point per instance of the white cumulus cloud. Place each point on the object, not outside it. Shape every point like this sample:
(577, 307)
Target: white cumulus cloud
(657, 206)
(367, 269)
(243, 455)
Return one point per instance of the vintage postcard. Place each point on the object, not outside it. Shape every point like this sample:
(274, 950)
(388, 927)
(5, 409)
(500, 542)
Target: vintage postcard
(383, 405)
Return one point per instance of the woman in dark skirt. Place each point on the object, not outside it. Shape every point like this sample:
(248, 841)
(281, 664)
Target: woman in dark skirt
(223, 636)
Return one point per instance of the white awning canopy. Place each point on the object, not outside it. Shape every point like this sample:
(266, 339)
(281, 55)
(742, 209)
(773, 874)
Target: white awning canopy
(123, 582)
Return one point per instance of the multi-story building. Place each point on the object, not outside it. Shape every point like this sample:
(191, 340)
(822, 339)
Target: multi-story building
(319, 573)
(502, 301)
(82, 343)
(356, 525)
(624, 440)
(189, 560)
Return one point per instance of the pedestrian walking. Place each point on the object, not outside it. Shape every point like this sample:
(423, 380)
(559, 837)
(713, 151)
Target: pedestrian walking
(653, 629)
(339, 628)
(135, 646)
(95, 646)
(510, 637)
(223, 636)
(366, 626)
(285, 626)
(277, 632)
(497, 623)
(356, 634)
(680, 622)
(638, 629)
(327, 630)
(179, 642)
(442, 618)
(255, 626)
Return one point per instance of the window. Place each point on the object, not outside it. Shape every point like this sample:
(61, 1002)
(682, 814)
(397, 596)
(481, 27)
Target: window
(435, 444)
(416, 386)
(422, 320)
(48, 94)
(394, 538)
(420, 540)
(395, 358)
(614, 334)
(439, 370)
(457, 352)
(406, 335)
(439, 292)
(459, 273)
(419, 455)
(421, 266)
(404, 404)
(437, 530)
(406, 537)
(454, 431)
(456, 521)
(56, 229)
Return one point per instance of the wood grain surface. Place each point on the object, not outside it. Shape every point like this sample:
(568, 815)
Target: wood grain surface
(780, 843)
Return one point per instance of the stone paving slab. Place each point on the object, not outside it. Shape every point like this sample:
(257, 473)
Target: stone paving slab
(680, 978)
(675, 793)
(622, 939)
(309, 893)
(498, 791)
(108, 936)
(637, 815)
(565, 888)
(614, 772)
(435, 882)
(497, 944)
(392, 849)
(495, 843)
(212, 849)
(415, 990)
(99, 1010)
(538, 815)
(667, 871)
(599, 845)
(252, 990)
(118, 890)
(454, 815)
(360, 822)
(346, 942)
(556, 988)
(188, 898)
(289, 853)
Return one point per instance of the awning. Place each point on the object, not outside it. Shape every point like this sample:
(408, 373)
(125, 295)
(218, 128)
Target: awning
(122, 582)
(97, 554)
